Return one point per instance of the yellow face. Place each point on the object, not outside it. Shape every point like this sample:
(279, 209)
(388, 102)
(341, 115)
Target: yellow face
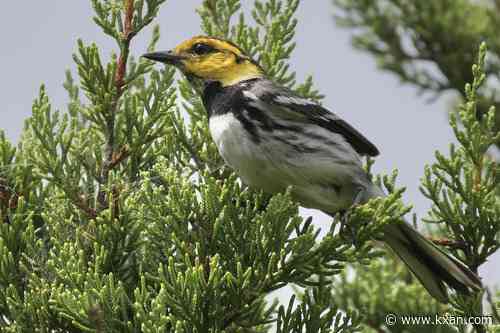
(210, 59)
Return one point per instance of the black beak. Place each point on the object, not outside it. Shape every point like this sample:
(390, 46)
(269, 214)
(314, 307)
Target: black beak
(166, 57)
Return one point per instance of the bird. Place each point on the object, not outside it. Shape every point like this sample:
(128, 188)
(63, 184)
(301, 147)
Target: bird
(275, 139)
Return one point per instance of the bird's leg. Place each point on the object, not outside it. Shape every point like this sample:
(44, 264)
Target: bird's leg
(359, 197)
(346, 230)
(345, 226)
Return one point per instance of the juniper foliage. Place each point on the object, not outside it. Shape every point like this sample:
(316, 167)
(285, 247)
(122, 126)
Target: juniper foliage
(429, 44)
(118, 215)
(432, 45)
(464, 216)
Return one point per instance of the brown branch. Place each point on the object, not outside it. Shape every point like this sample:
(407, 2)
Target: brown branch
(115, 207)
(8, 197)
(81, 202)
(119, 156)
(119, 82)
(447, 242)
(126, 38)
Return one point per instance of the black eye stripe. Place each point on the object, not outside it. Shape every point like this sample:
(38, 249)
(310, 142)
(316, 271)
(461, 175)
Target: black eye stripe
(201, 48)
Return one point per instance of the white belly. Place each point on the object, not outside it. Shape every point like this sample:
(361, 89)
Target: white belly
(267, 165)
(242, 154)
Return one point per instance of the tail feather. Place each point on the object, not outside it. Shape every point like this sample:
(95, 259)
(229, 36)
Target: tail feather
(434, 268)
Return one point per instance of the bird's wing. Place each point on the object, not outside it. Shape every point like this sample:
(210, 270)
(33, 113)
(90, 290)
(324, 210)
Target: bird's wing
(286, 105)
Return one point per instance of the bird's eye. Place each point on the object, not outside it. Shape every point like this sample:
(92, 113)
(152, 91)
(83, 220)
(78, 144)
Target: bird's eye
(201, 48)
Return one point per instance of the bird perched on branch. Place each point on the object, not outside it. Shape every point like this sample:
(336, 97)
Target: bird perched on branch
(274, 139)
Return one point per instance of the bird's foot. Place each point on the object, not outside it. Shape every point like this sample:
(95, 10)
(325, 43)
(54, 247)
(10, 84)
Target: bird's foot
(347, 231)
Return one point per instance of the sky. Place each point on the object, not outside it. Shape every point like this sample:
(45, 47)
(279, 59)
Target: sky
(37, 46)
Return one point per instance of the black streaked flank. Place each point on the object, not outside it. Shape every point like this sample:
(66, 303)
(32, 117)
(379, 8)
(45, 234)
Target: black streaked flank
(300, 148)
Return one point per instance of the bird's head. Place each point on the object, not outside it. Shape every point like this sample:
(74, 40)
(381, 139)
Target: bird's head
(210, 59)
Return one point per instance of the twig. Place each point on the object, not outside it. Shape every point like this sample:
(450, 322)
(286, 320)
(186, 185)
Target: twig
(7, 195)
(81, 203)
(447, 242)
(119, 156)
(111, 161)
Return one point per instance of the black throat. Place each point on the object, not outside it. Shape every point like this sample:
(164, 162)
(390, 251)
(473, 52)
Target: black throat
(220, 100)
(212, 91)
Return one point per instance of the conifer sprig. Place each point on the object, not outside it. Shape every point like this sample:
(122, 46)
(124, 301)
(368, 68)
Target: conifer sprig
(422, 44)
(117, 214)
(463, 185)
(463, 189)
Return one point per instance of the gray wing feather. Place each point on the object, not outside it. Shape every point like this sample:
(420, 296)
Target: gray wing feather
(293, 107)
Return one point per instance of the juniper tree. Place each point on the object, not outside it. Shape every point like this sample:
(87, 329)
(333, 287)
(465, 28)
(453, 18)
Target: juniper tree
(118, 215)
(429, 44)
(432, 46)
(461, 185)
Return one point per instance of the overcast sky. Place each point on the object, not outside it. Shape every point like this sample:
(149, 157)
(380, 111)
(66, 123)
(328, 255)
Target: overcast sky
(39, 37)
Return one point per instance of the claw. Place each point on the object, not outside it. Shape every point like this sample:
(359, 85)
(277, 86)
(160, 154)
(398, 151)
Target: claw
(347, 231)
(345, 227)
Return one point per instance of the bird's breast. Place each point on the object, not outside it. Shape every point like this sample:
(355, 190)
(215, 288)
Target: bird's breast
(243, 152)
(321, 175)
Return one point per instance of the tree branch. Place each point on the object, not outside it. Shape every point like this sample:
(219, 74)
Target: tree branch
(111, 161)
(8, 197)
(451, 243)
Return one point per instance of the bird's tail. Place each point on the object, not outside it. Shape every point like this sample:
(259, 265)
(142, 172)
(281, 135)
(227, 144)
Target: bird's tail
(434, 268)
